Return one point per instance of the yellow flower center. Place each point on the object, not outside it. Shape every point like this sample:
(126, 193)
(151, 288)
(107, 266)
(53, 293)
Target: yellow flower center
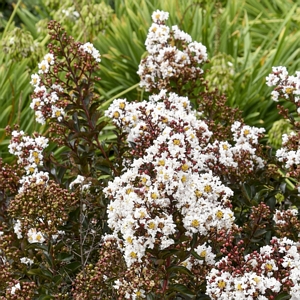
(198, 194)
(195, 223)
(31, 169)
(116, 114)
(289, 90)
(142, 214)
(221, 284)
(129, 240)
(154, 196)
(219, 214)
(269, 267)
(176, 142)
(161, 162)
(246, 132)
(184, 263)
(129, 190)
(184, 167)
(122, 105)
(207, 189)
(203, 253)
(154, 29)
(152, 225)
(183, 179)
(225, 147)
(133, 255)
(38, 237)
(35, 154)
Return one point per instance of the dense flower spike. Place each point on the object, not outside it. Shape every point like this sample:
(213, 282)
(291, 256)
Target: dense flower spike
(171, 174)
(172, 179)
(45, 102)
(286, 86)
(171, 54)
(29, 152)
(49, 101)
(260, 275)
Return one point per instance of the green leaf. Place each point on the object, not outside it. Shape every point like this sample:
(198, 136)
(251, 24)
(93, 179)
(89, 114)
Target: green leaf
(283, 296)
(65, 257)
(260, 232)
(181, 288)
(45, 297)
(37, 246)
(40, 272)
(179, 269)
(73, 266)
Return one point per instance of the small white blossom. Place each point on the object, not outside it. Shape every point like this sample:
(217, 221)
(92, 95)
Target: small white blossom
(27, 261)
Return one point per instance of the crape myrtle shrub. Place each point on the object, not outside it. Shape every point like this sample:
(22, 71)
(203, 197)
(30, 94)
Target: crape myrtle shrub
(184, 203)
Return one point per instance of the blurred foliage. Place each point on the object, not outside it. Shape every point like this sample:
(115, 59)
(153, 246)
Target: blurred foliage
(244, 39)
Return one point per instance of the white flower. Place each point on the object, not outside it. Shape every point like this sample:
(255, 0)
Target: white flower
(57, 113)
(78, 180)
(39, 117)
(35, 236)
(89, 48)
(43, 67)
(26, 261)
(14, 288)
(159, 15)
(18, 229)
(35, 80)
(49, 57)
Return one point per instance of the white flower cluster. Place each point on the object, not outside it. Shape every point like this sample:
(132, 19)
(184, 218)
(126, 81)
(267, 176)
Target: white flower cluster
(165, 60)
(22, 145)
(44, 103)
(246, 140)
(35, 236)
(29, 152)
(289, 156)
(258, 275)
(206, 254)
(178, 179)
(285, 85)
(44, 65)
(89, 48)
